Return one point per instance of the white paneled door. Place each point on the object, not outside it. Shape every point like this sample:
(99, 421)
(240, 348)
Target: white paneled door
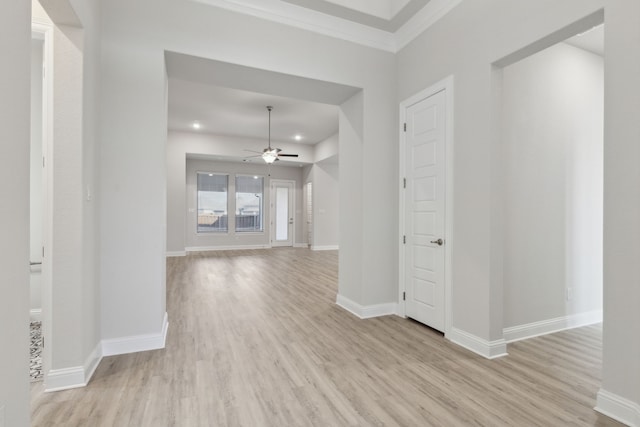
(424, 210)
(282, 213)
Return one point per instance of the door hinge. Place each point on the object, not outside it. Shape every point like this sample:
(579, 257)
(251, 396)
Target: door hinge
(404, 239)
(42, 161)
(405, 127)
(404, 296)
(43, 252)
(404, 182)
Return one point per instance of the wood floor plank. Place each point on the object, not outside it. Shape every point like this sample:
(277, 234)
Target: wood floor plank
(256, 339)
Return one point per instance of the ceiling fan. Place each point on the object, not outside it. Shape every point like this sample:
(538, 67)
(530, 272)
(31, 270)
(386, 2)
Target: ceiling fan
(270, 155)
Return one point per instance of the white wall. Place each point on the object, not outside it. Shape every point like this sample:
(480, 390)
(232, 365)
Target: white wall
(466, 43)
(500, 28)
(326, 205)
(351, 168)
(65, 248)
(36, 200)
(325, 176)
(327, 150)
(621, 354)
(15, 44)
(71, 311)
(181, 144)
(88, 13)
(134, 133)
(229, 239)
(552, 138)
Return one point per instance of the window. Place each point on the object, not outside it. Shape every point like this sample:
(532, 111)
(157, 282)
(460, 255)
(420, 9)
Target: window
(249, 209)
(212, 202)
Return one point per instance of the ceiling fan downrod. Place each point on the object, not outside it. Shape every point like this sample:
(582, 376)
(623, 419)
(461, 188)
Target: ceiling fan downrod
(269, 108)
(270, 155)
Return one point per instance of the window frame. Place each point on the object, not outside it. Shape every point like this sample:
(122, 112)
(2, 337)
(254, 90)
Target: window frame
(197, 219)
(261, 208)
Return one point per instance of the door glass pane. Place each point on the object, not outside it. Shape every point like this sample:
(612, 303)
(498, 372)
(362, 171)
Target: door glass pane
(249, 203)
(212, 202)
(282, 213)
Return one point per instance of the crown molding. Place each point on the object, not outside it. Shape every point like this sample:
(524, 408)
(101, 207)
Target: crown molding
(310, 20)
(332, 26)
(425, 18)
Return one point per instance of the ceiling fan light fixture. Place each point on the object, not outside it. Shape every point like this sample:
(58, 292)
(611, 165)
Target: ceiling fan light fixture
(270, 156)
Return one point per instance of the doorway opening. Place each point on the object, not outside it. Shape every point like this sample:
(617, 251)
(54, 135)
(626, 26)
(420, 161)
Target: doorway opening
(552, 149)
(312, 119)
(36, 203)
(40, 196)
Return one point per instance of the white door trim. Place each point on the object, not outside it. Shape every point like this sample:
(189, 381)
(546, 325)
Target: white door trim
(447, 85)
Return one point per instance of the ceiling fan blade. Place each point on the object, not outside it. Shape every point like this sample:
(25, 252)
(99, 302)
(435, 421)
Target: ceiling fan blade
(252, 151)
(249, 158)
(287, 155)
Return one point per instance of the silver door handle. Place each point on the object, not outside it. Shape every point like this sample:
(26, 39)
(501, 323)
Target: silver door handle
(438, 242)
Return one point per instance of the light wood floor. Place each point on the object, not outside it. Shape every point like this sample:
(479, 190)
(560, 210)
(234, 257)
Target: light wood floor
(255, 339)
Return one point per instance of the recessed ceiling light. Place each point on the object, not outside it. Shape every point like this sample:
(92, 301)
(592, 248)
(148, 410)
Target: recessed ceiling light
(196, 125)
(298, 137)
(255, 177)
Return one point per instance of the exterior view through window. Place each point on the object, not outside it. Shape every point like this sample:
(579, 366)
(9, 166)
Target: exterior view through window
(249, 206)
(212, 202)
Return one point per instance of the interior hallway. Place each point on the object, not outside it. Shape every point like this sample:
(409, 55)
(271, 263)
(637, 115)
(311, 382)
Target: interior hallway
(255, 339)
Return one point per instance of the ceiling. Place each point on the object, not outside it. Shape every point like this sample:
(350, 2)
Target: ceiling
(231, 99)
(386, 15)
(591, 40)
(227, 99)
(240, 113)
(382, 24)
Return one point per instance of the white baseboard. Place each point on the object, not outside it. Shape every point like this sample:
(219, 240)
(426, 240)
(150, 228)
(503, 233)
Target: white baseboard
(92, 362)
(618, 408)
(176, 253)
(301, 245)
(224, 248)
(488, 349)
(35, 315)
(79, 376)
(65, 379)
(325, 248)
(535, 329)
(134, 344)
(74, 377)
(366, 311)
